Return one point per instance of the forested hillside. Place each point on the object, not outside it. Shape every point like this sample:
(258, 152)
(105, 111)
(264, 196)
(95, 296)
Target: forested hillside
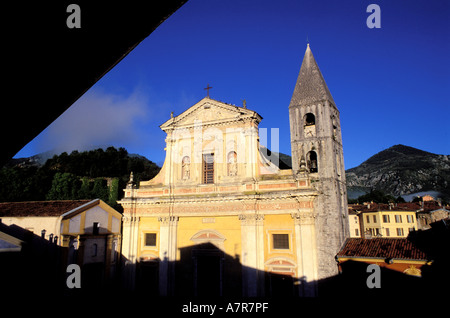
(80, 175)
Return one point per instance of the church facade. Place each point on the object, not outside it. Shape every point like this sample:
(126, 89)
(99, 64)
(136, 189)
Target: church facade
(221, 217)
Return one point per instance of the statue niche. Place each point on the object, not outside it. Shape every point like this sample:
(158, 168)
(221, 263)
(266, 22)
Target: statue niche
(232, 164)
(185, 168)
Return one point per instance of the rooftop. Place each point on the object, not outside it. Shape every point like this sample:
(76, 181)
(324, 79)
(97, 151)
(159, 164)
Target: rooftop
(39, 208)
(395, 248)
(426, 206)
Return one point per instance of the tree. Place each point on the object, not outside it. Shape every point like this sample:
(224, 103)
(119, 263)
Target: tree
(72, 176)
(85, 191)
(400, 200)
(376, 196)
(417, 199)
(65, 186)
(100, 191)
(113, 192)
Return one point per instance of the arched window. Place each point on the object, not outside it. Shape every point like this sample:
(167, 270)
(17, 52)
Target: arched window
(185, 168)
(232, 163)
(309, 127)
(310, 119)
(335, 127)
(311, 161)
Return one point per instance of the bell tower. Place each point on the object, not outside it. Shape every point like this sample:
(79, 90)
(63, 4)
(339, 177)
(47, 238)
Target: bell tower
(316, 146)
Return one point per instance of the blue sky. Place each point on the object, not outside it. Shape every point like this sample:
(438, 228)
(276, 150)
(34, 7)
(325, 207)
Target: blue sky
(391, 85)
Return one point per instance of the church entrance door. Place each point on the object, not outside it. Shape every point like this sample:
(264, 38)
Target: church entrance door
(207, 273)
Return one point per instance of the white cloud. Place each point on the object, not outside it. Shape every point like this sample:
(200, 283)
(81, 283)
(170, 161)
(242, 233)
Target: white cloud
(96, 119)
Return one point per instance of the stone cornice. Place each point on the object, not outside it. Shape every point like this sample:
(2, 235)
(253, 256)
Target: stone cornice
(303, 195)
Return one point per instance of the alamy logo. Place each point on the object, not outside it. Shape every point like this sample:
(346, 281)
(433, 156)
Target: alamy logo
(74, 279)
(74, 19)
(374, 19)
(374, 279)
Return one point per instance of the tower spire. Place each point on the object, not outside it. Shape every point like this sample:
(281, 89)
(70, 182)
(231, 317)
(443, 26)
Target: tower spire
(310, 87)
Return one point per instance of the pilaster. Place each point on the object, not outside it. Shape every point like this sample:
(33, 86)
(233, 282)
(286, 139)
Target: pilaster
(252, 237)
(305, 239)
(130, 249)
(167, 254)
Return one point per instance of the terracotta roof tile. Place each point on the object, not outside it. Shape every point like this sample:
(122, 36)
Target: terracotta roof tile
(39, 208)
(398, 248)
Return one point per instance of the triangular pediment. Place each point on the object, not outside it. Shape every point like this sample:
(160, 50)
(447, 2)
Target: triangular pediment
(209, 111)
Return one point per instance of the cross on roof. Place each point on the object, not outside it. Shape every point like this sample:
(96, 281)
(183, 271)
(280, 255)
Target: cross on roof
(207, 90)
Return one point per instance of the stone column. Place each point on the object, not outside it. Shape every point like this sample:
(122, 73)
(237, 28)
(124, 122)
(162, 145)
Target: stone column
(252, 238)
(167, 254)
(305, 241)
(129, 250)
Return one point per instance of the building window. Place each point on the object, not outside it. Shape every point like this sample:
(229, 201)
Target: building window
(185, 168)
(94, 250)
(398, 218)
(95, 228)
(388, 233)
(311, 161)
(386, 219)
(356, 220)
(356, 232)
(150, 239)
(280, 241)
(309, 127)
(374, 219)
(410, 218)
(208, 168)
(399, 231)
(368, 219)
(310, 119)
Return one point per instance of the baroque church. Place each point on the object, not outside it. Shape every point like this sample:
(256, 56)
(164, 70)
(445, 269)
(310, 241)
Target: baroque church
(222, 218)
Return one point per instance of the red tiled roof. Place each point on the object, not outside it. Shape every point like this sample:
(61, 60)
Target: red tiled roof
(39, 208)
(426, 206)
(396, 248)
(429, 206)
(375, 207)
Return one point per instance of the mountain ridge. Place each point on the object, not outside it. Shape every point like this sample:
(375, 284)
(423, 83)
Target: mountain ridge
(402, 170)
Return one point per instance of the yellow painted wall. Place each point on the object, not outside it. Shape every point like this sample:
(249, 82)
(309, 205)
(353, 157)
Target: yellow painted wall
(392, 225)
(279, 224)
(228, 226)
(148, 225)
(354, 224)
